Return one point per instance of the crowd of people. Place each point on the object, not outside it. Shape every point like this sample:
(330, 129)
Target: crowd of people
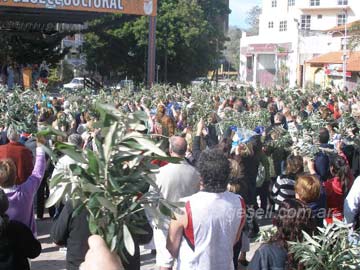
(12, 74)
(226, 181)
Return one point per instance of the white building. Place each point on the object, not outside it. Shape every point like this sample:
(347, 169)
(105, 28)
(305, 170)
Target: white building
(75, 57)
(291, 33)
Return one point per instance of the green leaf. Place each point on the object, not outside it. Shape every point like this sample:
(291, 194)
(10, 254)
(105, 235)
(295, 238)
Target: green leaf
(141, 116)
(107, 204)
(128, 240)
(88, 187)
(93, 163)
(71, 151)
(57, 195)
(109, 141)
(146, 143)
(51, 131)
(56, 180)
(93, 225)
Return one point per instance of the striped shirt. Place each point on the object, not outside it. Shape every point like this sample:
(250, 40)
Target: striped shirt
(283, 189)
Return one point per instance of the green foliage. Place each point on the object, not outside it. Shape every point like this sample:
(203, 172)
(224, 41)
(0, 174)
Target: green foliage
(253, 20)
(188, 41)
(329, 250)
(32, 48)
(16, 108)
(112, 182)
(232, 47)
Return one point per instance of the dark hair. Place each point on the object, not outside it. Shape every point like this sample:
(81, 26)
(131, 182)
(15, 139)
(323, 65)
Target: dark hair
(340, 168)
(214, 169)
(294, 164)
(225, 146)
(292, 218)
(4, 205)
(324, 135)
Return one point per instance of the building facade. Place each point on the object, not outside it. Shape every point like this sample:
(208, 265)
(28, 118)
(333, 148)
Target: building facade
(291, 32)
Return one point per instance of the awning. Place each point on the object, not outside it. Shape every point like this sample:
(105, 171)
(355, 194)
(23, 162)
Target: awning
(353, 62)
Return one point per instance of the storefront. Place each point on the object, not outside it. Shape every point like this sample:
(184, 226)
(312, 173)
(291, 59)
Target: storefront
(327, 69)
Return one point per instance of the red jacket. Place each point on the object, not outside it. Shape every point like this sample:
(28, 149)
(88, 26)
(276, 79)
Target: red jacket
(21, 156)
(335, 198)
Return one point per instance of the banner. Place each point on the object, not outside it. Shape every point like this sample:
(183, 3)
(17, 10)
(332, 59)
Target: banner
(136, 7)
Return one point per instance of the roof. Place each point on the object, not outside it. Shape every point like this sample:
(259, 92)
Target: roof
(353, 62)
(341, 28)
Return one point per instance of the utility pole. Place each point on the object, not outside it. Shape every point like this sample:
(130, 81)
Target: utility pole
(345, 51)
(151, 52)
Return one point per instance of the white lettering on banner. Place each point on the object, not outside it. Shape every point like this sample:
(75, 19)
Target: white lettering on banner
(113, 4)
(103, 4)
(97, 3)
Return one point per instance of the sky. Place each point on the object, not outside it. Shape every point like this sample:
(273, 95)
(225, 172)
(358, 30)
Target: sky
(239, 9)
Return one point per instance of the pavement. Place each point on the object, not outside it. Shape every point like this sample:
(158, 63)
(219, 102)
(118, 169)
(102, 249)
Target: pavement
(53, 257)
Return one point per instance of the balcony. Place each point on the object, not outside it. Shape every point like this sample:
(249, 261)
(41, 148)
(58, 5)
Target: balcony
(331, 5)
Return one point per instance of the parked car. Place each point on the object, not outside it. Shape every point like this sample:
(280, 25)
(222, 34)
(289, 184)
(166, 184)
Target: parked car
(199, 81)
(75, 84)
(125, 84)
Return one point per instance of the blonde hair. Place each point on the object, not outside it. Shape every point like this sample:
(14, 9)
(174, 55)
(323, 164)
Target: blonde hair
(235, 173)
(307, 187)
(235, 170)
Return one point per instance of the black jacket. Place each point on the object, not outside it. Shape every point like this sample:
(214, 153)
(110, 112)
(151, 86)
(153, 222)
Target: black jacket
(72, 232)
(17, 244)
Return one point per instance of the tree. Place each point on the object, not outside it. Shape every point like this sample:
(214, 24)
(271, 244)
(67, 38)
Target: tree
(31, 47)
(232, 47)
(354, 31)
(189, 41)
(253, 20)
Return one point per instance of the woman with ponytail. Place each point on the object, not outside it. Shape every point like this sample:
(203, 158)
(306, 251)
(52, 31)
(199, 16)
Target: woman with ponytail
(337, 188)
(17, 242)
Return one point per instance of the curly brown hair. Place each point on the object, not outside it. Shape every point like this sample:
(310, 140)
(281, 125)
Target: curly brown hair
(7, 173)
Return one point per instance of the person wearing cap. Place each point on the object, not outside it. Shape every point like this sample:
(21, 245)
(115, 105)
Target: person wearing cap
(14, 254)
(18, 153)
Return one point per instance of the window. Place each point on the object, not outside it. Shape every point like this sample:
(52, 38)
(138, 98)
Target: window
(305, 22)
(314, 3)
(291, 3)
(271, 25)
(274, 3)
(319, 16)
(341, 19)
(342, 2)
(283, 26)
